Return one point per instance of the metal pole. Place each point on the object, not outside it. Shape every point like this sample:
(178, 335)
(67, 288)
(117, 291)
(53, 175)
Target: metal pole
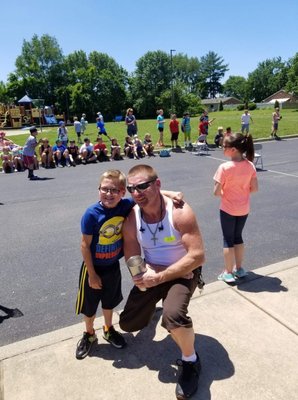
(172, 89)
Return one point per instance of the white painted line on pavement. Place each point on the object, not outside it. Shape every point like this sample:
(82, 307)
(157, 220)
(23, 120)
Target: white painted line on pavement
(282, 173)
(267, 170)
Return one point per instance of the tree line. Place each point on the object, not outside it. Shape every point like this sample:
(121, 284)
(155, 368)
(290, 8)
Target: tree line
(80, 82)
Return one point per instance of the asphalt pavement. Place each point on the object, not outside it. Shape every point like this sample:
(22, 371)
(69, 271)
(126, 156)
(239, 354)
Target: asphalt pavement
(246, 336)
(40, 229)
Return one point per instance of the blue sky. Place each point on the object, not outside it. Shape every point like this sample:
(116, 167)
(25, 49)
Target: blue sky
(243, 33)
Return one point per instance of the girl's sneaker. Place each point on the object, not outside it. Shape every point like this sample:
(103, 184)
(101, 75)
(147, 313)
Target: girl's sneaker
(226, 277)
(240, 273)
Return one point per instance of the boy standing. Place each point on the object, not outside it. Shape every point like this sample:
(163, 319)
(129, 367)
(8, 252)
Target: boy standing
(77, 127)
(174, 129)
(101, 246)
(29, 151)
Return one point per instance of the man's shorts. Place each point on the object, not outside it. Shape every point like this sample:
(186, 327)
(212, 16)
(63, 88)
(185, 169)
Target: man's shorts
(110, 294)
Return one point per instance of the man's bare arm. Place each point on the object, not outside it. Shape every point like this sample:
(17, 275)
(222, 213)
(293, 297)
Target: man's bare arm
(131, 244)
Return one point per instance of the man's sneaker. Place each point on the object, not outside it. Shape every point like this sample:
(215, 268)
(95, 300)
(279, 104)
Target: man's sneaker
(226, 277)
(114, 337)
(189, 373)
(34, 178)
(239, 273)
(84, 345)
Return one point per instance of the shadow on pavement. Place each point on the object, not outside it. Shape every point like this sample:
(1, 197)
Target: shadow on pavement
(41, 179)
(142, 350)
(256, 283)
(10, 313)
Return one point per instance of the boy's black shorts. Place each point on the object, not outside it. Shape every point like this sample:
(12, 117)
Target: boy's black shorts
(110, 295)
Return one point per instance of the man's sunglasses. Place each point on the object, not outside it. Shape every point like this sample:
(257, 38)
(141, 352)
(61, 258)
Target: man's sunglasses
(140, 187)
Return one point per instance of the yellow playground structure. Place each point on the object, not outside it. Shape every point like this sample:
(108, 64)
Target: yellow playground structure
(24, 114)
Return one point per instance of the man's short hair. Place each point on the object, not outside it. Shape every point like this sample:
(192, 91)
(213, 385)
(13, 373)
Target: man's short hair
(147, 169)
(86, 140)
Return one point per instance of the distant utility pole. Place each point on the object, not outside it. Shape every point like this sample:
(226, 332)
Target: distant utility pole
(172, 89)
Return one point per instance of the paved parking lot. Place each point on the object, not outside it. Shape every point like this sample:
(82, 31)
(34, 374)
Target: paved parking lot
(40, 229)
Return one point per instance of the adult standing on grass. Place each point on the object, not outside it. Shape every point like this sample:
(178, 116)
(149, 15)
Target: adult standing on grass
(84, 124)
(276, 117)
(131, 123)
(160, 126)
(235, 180)
(174, 251)
(245, 121)
(29, 152)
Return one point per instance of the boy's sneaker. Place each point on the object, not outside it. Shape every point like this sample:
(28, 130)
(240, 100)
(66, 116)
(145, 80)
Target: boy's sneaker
(84, 345)
(114, 337)
(226, 277)
(189, 373)
(240, 273)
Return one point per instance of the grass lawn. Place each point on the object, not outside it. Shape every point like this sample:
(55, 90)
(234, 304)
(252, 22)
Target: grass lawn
(260, 128)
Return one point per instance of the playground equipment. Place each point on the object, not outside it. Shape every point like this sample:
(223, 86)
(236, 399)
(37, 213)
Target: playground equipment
(28, 112)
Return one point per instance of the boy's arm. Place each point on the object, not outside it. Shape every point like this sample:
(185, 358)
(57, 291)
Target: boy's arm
(94, 279)
(176, 197)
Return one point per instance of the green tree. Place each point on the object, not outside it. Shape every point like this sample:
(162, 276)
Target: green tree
(212, 70)
(94, 83)
(187, 71)
(4, 98)
(184, 100)
(269, 77)
(235, 86)
(292, 83)
(38, 69)
(151, 78)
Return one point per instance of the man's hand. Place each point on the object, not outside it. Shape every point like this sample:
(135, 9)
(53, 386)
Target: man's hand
(149, 279)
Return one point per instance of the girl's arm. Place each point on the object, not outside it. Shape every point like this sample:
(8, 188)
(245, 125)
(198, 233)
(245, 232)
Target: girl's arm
(217, 189)
(254, 185)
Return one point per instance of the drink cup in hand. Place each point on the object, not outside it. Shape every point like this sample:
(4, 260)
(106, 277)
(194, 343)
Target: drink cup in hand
(136, 266)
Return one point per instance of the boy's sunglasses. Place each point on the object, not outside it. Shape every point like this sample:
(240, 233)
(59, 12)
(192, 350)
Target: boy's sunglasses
(140, 187)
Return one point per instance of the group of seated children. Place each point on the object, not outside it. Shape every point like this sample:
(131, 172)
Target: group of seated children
(134, 148)
(10, 155)
(66, 153)
(219, 137)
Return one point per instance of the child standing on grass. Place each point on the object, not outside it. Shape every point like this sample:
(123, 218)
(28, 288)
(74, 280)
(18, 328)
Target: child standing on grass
(78, 128)
(186, 129)
(174, 129)
(62, 133)
(160, 127)
(234, 181)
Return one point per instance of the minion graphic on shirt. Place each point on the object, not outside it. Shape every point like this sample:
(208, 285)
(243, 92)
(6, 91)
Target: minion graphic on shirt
(110, 239)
